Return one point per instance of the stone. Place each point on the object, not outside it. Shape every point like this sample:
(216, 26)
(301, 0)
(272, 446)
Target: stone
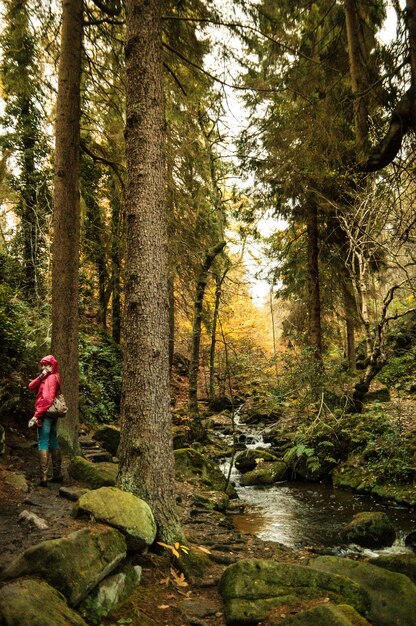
(32, 602)
(33, 519)
(111, 592)
(121, 510)
(410, 540)
(109, 438)
(392, 596)
(265, 474)
(249, 459)
(16, 480)
(370, 530)
(327, 615)
(250, 588)
(98, 456)
(73, 564)
(192, 466)
(401, 563)
(93, 474)
(71, 493)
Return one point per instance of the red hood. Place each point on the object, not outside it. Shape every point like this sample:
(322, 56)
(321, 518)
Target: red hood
(50, 360)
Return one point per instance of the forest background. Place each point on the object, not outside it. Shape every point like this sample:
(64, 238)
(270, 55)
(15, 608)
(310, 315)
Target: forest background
(326, 147)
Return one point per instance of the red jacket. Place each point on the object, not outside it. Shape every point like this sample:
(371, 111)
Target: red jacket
(47, 387)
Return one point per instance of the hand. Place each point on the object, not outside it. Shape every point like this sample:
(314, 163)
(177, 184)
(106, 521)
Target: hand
(34, 422)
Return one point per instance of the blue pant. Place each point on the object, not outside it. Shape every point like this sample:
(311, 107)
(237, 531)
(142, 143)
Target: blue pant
(47, 435)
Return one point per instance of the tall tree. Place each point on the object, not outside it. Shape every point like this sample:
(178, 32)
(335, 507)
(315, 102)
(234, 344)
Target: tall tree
(66, 222)
(146, 450)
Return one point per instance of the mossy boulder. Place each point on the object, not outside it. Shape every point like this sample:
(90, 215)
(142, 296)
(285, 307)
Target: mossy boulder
(249, 459)
(111, 592)
(401, 563)
(109, 438)
(73, 564)
(370, 530)
(250, 588)
(32, 602)
(327, 615)
(124, 511)
(265, 474)
(392, 596)
(93, 474)
(192, 466)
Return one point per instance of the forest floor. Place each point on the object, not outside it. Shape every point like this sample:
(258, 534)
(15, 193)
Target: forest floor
(162, 598)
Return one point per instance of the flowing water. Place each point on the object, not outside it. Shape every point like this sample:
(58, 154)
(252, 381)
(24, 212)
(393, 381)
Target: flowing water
(307, 514)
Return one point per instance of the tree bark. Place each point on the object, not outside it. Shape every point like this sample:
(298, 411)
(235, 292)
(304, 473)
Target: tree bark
(218, 291)
(146, 450)
(66, 222)
(411, 29)
(349, 309)
(196, 329)
(315, 332)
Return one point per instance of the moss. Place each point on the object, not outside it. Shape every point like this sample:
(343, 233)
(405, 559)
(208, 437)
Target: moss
(93, 474)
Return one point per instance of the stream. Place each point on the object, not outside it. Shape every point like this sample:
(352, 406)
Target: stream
(298, 514)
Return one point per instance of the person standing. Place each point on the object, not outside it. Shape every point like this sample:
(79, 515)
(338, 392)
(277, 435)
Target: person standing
(47, 386)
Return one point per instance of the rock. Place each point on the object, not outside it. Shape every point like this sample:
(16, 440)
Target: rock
(98, 456)
(71, 493)
(109, 438)
(265, 474)
(111, 592)
(392, 596)
(212, 500)
(16, 480)
(252, 587)
(249, 459)
(410, 540)
(32, 602)
(327, 615)
(73, 564)
(193, 466)
(121, 510)
(371, 530)
(401, 563)
(94, 474)
(33, 520)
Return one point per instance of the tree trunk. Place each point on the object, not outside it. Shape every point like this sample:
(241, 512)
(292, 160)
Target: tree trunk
(218, 290)
(65, 261)
(196, 329)
(146, 451)
(116, 255)
(315, 333)
(350, 308)
(411, 29)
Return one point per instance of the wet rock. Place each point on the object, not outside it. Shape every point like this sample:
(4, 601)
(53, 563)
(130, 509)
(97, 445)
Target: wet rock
(32, 602)
(248, 460)
(371, 530)
(265, 474)
(109, 438)
(74, 564)
(392, 596)
(71, 493)
(213, 501)
(121, 510)
(193, 466)
(252, 587)
(410, 540)
(111, 592)
(327, 615)
(401, 563)
(33, 520)
(98, 456)
(94, 474)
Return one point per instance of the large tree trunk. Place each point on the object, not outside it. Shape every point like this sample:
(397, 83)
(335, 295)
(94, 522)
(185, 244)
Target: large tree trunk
(218, 291)
(116, 254)
(146, 450)
(315, 332)
(196, 329)
(65, 262)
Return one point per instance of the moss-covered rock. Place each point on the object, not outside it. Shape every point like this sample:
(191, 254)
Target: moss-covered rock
(192, 466)
(401, 563)
(250, 588)
(109, 438)
(74, 564)
(32, 602)
(392, 596)
(111, 592)
(124, 511)
(327, 615)
(93, 474)
(248, 460)
(265, 474)
(369, 529)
